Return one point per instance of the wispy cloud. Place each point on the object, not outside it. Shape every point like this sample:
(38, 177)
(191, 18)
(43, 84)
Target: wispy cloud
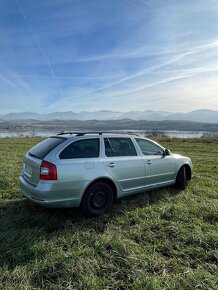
(8, 82)
(42, 51)
(82, 55)
(139, 86)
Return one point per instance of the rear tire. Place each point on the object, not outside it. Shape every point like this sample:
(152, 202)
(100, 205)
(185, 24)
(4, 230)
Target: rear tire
(181, 179)
(97, 199)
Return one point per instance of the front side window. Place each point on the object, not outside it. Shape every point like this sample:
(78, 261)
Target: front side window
(149, 148)
(88, 148)
(119, 147)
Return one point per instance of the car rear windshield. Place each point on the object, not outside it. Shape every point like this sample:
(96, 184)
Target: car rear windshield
(46, 146)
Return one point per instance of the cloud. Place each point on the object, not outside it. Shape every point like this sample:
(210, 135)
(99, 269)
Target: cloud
(174, 74)
(106, 54)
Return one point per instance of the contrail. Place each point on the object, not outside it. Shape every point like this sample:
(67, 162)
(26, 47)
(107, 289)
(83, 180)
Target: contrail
(8, 82)
(133, 76)
(22, 11)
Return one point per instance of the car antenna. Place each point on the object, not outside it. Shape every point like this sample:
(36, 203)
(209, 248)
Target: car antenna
(63, 121)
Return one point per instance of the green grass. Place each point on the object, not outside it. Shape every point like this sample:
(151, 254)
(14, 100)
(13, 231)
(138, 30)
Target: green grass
(163, 239)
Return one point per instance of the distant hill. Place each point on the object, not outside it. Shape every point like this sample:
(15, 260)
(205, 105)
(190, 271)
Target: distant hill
(203, 116)
(105, 125)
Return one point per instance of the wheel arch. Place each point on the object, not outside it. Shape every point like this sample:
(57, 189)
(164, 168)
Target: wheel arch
(106, 180)
(188, 171)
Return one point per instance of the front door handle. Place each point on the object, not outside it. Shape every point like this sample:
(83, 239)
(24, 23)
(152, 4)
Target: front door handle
(149, 162)
(111, 164)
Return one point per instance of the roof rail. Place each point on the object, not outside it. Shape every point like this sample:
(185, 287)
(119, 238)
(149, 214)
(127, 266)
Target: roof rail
(84, 133)
(78, 133)
(63, 133)
(99, 133)
(67, 133)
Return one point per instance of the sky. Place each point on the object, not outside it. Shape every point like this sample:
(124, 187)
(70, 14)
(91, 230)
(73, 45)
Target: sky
(126, 55)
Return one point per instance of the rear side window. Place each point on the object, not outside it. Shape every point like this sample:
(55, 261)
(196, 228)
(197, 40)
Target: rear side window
(119, 147)
(46, 146)
(88, 148)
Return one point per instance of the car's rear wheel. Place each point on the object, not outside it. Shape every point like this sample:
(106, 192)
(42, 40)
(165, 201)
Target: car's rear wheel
(97, 199)
(181, 179)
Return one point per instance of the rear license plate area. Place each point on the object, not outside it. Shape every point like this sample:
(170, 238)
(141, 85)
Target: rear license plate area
(27, 170)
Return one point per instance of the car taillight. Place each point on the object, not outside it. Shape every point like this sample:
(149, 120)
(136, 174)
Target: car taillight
(48, 171)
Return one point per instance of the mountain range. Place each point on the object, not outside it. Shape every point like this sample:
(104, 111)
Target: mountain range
(203, 116)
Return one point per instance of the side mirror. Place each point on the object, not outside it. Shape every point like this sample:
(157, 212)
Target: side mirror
(166, 152)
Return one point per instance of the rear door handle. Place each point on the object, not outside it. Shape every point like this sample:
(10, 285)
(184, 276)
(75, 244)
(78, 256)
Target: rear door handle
(149, 162)
(111, 164)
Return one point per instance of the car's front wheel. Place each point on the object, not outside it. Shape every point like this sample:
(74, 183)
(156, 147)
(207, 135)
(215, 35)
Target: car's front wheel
(181, 179)
(97, 199)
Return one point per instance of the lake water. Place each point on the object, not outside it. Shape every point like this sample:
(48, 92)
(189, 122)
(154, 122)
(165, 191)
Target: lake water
(178, 134)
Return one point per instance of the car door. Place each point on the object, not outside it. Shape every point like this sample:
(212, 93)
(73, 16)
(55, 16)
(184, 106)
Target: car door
(159, 168)
(123, 163)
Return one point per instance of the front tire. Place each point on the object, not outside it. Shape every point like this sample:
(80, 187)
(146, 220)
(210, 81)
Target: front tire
(181, 179)
(97, 199)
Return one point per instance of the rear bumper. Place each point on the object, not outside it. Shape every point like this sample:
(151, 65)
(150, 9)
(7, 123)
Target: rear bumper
(53, 194)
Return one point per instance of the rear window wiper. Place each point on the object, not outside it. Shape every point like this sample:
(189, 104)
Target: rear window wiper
(33, 155)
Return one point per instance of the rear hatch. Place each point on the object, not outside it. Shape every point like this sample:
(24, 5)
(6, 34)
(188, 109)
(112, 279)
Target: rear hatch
(33, 159)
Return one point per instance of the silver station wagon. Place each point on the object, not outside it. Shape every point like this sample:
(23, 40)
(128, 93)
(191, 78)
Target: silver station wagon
(91, 170)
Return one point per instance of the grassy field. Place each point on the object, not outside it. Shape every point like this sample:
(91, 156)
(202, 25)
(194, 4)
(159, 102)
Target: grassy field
(163, 239)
